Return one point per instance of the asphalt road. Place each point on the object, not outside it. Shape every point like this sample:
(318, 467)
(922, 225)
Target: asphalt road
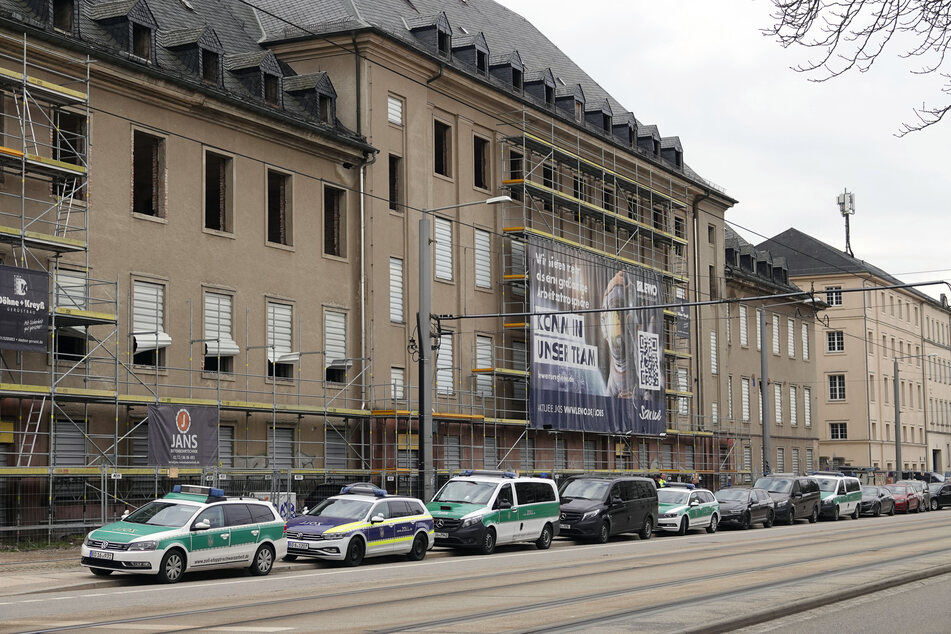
(698, 582)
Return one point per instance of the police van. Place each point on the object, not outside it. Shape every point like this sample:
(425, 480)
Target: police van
(362, 521)
(481, 509)
(191, 528)
(840, 495)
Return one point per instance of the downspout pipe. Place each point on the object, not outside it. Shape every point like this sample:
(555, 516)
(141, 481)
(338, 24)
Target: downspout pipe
(698, 348)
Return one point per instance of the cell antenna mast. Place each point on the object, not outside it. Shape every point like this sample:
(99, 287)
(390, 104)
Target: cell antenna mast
(846, 202)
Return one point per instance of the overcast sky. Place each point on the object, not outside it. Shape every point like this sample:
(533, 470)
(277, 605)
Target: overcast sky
(783, 146)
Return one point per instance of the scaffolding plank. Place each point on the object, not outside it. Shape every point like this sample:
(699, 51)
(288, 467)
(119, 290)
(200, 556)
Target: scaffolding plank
(78, 317)
(41, 240)
(51, 91)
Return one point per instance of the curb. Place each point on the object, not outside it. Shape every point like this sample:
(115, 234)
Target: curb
(802, 605)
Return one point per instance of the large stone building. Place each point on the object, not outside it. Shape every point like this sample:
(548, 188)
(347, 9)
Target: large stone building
(227, 203)
(873, 323)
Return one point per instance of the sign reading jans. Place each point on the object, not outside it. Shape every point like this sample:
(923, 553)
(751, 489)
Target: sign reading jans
(183, 436)
(595, 372)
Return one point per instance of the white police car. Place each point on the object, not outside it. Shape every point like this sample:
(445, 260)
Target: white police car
(683, 507)
(192, 528)
(363, 521)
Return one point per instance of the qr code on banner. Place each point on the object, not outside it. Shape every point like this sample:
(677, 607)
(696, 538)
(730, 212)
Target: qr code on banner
(648, 360)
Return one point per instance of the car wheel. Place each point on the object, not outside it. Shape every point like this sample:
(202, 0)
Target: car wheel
(263, 561)
(746, 522)
(934, 505)
(684, 526)
(544, 540)
(878, 510)
(290, 557)
(647, 529)
(770, 517)
(792, 516)
(418, 551)
(172, 566)
(855, 512)
(604, 532)
(815, 514)
(488, 542)
(891, 511)
(712, 528)
(100, 572)
(355, 552)
(835, 513)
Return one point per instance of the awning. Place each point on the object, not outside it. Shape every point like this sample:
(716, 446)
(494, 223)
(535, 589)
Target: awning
(145, 341)
(221, 348)
(280, 356)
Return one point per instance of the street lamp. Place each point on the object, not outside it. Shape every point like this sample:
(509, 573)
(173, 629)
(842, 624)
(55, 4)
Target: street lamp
(898, 463)
(423, 317)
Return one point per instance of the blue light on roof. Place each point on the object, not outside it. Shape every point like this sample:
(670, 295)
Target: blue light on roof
(363, 488)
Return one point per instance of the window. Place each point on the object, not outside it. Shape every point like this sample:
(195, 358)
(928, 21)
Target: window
(280, 330)
(69, 443)
(396, 290)
(443, 42)
(808, 460)
(780, 459)
(711, 234)
(778, 403)
(490, 453)
(748, 458)
(480, 162)
(148, 174)
(683, 405)
(791, 338)
(64, 15)
(561, 454)
(278, 208)
(870, 342)
(225, 446)
(712, 275)
(283, 451)
(484, 361)
(871, 388)
(334, 222)
(220, 347)
(835, 341)
(70, 142)
(483, 259)
(793, 405)
(836, 387)
(335, 346)
(442, 149)
(218, 209)
(838, 431)
(394, 110)
(397, 383)
(444, 365)
(528, 454)
(745, 399)
(325, 109)
(713, 352)
(589, 456)
(729, 397)
(148, 324)
(272, 93)
(396, 183)
(834, 295)
(776, 349)
(141, 41)
(759, 329)
(715, 413)
(744, 333)
(443, 249)
(210, 67)
(805, 342)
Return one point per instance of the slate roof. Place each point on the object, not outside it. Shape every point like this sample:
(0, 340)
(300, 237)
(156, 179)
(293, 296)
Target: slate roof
(733, 240)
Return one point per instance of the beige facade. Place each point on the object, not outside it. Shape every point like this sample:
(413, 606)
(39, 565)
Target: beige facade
(936, 331)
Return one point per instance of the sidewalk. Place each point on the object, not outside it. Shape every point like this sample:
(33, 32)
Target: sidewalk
(42, 570)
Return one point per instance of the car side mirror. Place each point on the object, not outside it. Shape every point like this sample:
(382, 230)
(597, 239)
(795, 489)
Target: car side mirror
(376, 519)
(304, 512)
(615, 501)
(201, 526)
(504, 504)
(695, 503)
(124, 515)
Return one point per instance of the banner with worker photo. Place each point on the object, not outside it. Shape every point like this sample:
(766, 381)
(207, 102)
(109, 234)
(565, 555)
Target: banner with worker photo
(183, 436)
(24, 309)
(599, 371)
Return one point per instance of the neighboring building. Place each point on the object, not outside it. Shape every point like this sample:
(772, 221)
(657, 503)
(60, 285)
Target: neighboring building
(936, 333)
(790, 325)
(863, 335)
(227, 204)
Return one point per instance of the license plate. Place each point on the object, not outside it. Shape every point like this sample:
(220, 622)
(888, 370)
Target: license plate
(442, 535)
(96, 554)
(565, 526)
(298, 545)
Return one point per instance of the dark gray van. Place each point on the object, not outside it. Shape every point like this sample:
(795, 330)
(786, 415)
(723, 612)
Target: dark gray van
(594, 507)
(796, 496)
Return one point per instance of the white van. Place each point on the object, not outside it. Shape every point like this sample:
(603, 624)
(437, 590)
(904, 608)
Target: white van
(840, 495)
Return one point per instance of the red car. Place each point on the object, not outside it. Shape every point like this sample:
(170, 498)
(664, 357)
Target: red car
(906, 500)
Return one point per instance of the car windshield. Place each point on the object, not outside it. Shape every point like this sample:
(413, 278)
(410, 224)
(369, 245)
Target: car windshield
(911, 484)
(870, 490)
(587, 489)
(672, 496)
(774, 485)
(739, 495)
(341, 508)
(828, 485)
(162, 513)
(466, 492)
(897, 489)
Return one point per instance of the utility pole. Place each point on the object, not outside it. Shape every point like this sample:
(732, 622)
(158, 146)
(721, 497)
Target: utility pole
(898, 464)
(763, 384)
(425, 361)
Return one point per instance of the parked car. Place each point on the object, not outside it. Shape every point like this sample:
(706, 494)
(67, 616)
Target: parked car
(595, 507)
(906, 500)
(480, 509)
(877, 500)
(191, 528)
(683, 507)
(363, 521)
(796, 497)
(841, 495)
(924, 493)
(940, 494)
(744, 507)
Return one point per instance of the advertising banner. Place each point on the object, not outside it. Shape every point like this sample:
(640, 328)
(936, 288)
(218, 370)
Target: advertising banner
(183, 436)
(595, 372)
(24, 309)
(683, 320)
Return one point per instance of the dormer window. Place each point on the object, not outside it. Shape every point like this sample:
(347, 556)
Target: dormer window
(141, 41)
(508, 69)
(271, 90)
(606, 122)
(325, 108)
(315, 94)
(444, 43)
(517, 79)
(210, 67)
(579, 111)
(64, 15)
(482, 63)
(549, 95)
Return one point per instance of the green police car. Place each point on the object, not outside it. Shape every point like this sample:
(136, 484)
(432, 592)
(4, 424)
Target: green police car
(841, 495)
(683, 507)
(192, 528)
